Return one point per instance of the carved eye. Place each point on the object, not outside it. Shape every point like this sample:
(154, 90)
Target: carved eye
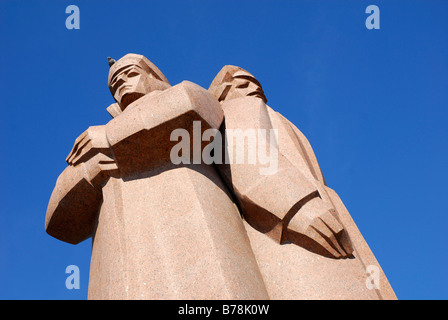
(133, 74)
(115, 84)
(243, 85)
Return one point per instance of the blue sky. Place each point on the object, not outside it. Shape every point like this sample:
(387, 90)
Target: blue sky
(373, 104)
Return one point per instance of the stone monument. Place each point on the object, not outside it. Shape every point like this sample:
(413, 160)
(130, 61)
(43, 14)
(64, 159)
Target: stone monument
(167, 223)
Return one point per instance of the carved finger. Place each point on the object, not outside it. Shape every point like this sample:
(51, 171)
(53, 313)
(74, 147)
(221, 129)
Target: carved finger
(328, 234)
(106, 163)
(79, 143)
(331, 222)
(316, 236)
(344, 239)
(85, 148)
(82, 150)
(81, 137)
(342, 236)
(108, 166)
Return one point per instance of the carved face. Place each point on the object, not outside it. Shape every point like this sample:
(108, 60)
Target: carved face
(241, 84)
(244, 86)
(132, 82)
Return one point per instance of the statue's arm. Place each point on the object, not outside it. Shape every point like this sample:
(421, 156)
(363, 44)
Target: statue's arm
(285, 204)
(268, 202)
(269, 192)
(287, 207)
(73, 206)
(131, 143)
(140, 137)
(75, 201)
(308, 150)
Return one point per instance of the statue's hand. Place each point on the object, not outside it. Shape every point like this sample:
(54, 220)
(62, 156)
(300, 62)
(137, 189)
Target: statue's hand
(93, 153)
(90, 143)
(317, 223)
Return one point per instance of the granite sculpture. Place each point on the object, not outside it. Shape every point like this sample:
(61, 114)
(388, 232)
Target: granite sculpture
(195, 229)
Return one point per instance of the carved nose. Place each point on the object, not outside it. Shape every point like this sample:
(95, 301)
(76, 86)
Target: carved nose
(122, 77)
(119, 82)
(254, 88)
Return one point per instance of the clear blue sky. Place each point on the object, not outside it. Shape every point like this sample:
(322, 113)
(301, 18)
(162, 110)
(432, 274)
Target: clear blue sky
(373, 104)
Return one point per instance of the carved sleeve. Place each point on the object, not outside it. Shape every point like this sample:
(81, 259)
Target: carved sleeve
(266, 200)
(73, 206)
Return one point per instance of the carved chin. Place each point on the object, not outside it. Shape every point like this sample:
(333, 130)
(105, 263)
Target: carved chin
(128, 98)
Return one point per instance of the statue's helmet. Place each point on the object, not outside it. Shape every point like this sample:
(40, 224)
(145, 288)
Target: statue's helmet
(133, 76)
